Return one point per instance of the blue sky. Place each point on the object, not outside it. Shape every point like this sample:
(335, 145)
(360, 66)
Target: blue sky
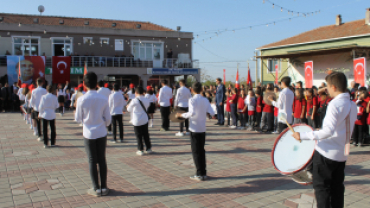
(198, 16)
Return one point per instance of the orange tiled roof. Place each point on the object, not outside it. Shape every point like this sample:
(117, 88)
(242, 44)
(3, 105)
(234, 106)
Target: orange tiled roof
(354, 28)
(78, 22)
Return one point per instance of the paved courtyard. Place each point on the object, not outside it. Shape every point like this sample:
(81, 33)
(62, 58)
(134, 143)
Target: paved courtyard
(238, 163)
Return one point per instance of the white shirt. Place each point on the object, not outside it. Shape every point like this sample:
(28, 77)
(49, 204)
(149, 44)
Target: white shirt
(285, 104)
(93, 112)
(199, 106)
(20, 94)
(152, 98)
(62, 92)
(48, 104)
(331, 138)
(165, 94)
(182, 97)
(36, 97)
(251, 103)
(131, 95)
(104, 91)
(116, 103)
(139, 116)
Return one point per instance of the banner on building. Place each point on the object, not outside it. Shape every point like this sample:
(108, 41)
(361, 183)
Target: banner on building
(61, 69)
(31, 67)
(171, 71)
(359, 70)
(276, 74)
(74, 70)
(308, 73)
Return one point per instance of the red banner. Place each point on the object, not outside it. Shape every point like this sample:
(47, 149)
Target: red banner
(237, 80)
(224, 77)
(359, 70)
(61, 69)
(308, 73)
(249, 79)
(276, 74)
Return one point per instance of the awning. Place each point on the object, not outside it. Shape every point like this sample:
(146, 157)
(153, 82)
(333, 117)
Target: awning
(316, 51)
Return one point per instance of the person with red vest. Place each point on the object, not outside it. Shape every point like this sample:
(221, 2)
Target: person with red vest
(242, 112)
(299, 106)
(358, 132)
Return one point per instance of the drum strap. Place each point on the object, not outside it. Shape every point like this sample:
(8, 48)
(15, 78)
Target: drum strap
(348, 134)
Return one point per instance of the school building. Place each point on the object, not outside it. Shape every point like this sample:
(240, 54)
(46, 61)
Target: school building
(116, 50)
(331, 48)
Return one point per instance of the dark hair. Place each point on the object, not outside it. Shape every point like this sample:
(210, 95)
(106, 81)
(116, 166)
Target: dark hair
(25, 91)
(139, 90)
(182, 81)
(300, 83)
(101, 83)
(50, 88)
(219, 79)
(314, 87)
(258, 91)
(357, 85)
(276, 87)
(150, 92)
(310, 90)
(197, 87)
(80, 89)
(286, 80)
(164, 82)
(337, 79)
(364, 91)
(301, 93)
(90, 80)
(39, 81)
(116, 87)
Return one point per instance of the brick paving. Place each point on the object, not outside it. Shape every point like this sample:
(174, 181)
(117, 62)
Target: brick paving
(238, 164)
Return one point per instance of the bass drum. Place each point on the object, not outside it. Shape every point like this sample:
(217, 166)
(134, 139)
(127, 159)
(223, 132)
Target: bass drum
(293, 158)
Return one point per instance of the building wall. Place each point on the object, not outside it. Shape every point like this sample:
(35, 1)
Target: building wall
(5, 45)
(269, 77)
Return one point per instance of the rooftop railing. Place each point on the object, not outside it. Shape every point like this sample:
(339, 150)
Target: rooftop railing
(107, 61)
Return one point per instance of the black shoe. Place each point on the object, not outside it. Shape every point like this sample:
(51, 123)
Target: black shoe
(217, 123)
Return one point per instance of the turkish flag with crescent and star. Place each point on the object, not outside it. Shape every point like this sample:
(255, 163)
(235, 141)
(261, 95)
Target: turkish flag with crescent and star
(359, 70)
(61, 69)
(308, 73)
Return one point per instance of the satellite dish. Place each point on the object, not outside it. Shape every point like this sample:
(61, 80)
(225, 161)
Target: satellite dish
(41, 9)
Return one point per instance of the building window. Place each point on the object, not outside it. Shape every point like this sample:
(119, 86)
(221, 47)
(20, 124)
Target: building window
(271, 65)
(88, 40)
(104, 41)
(26, 46)
(145, 50)
(62, 46)
(118, 45)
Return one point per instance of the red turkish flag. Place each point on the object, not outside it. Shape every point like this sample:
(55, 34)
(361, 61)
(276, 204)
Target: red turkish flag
(224, 77)
(237, 80)
(308, 73)
(359, 70)
(61, 69)
(276, 74)
(249, 79)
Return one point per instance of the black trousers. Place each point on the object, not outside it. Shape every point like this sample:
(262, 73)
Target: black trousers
(142, 133)
(117, 119)
(186, 121)
(243, 119)
(199, 153)
(35, 115)
(258, 117)
(234, 114)
(311, 122)
(95, 150)
(52, 131)
(358, 134)
(282, 127)
(220, 113)
(165, 114)
(328, 178)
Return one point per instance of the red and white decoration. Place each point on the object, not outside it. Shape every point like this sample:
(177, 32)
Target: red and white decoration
(359, 70)
(308, 72)
(237, 79)
(276, 73)
(61, 69)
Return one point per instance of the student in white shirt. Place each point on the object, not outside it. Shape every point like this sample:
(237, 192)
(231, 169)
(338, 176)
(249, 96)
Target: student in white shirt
(35, 102)
(104, 90)
(48, 104)
(61, 92)
(165, 95)
(93, 112)
(250, 105)
(284, 103)
(332, 143)
(199, 106)
(182, 102)
(138, 107)
(152, 106)
(116, 105)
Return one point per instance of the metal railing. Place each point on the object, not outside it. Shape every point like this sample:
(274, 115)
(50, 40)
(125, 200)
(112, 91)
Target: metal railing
(108, 61)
